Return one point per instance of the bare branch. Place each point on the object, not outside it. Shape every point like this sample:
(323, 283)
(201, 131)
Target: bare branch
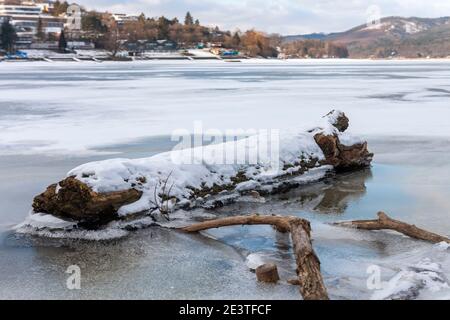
(384, 222)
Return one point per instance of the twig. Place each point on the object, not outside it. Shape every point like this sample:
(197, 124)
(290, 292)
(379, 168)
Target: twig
(165, 197)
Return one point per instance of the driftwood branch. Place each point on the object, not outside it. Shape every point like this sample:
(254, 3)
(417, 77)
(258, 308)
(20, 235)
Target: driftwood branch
(308, 264)
(384, 222)
(281, 223)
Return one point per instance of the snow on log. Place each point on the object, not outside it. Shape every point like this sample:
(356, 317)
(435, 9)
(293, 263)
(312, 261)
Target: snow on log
(110, 189)
(310, 278)
(384, 222)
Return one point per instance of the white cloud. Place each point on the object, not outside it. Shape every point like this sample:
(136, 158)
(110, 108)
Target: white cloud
(282, 16)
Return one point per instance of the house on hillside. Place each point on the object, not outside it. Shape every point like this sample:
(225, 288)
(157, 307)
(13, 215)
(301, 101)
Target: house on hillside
(161, 45)
(138, 47)
(121, 18)
(27, 17)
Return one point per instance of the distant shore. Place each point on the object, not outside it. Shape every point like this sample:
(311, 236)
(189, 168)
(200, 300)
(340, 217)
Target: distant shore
(238, 60)
(33, 55)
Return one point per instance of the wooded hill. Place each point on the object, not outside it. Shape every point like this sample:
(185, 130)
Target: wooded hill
(393, 36)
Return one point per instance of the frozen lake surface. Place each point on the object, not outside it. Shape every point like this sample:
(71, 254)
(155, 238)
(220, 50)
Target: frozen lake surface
(59, 107)
(56, 116)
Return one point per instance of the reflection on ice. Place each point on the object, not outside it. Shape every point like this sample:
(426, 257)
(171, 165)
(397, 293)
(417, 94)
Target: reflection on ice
(332, 195)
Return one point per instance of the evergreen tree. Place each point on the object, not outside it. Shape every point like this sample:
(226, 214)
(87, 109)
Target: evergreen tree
(60, 7)
(197, 22)
(8, 36)
(40, 34)
(92, 22)
(236, 40)
(163, 28)
(188, 20)
(62, 43)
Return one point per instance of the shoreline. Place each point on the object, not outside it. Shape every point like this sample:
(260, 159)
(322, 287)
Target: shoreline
(212, 61)
(102, 56)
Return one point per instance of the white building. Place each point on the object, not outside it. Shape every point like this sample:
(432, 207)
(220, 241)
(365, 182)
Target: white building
(122, 17)
(24, 15)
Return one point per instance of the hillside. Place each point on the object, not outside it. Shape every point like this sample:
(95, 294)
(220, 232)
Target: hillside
(394, 36)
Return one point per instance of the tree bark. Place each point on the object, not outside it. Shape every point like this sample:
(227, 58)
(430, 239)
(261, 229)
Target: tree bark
(267, 273)
(308, 264)
(384, 222)
(282, 224)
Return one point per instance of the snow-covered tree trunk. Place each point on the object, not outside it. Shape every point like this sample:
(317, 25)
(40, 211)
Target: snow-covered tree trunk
(102, 191)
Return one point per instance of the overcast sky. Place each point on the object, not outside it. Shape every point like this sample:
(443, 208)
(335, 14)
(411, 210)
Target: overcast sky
(280, 16)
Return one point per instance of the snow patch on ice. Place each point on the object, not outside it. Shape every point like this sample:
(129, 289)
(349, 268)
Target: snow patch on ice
(77, 234)
(48, 226)
(443, 246)
(410, 282)
(254, 260)
(44, 220)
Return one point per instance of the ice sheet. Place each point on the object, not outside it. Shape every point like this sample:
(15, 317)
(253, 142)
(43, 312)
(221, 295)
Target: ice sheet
(95, 104)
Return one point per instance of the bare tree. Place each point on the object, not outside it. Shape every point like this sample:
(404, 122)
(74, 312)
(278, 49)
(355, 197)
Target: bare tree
(111, 40)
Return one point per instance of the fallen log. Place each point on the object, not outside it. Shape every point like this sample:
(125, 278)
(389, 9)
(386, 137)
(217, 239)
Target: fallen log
(384, 222)
(310, 278)
(98, 192)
